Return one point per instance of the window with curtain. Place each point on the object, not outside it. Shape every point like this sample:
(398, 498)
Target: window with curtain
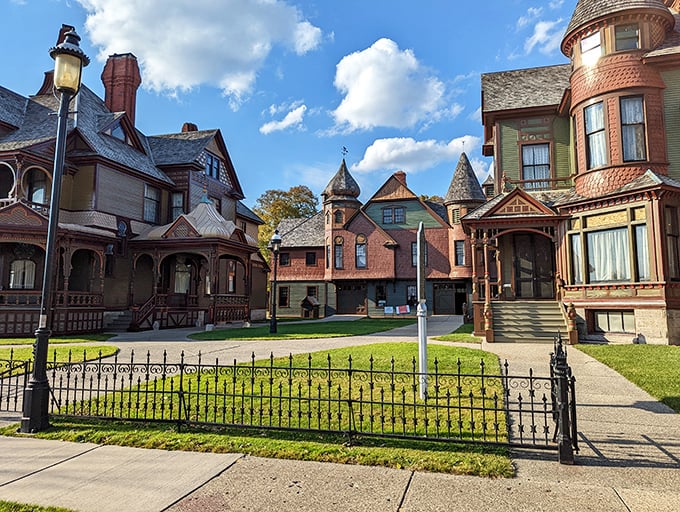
(182, 277)
(231, 277)
(22, 275)
(642, 252)
(608, 255)
(152, 199)
(460, 252)
(536, 165)
(596, 149)
(38, 191)
(177, 204)
(576, 259)
(633, 129)
(626, 37)
(360, 252)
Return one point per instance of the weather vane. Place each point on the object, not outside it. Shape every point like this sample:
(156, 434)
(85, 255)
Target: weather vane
(344, 151)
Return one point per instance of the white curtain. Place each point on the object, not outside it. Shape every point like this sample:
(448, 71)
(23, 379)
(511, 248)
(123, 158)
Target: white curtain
(536, 164)
(633, 128)
(182, 277)
(608, 255)
(22, 275)
(576, 259)
(597, 149)
(642, 250)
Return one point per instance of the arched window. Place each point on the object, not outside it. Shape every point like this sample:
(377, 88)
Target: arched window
(361, 260)
(339, 260)
(6, 181)
(37, 189)
(22, 275)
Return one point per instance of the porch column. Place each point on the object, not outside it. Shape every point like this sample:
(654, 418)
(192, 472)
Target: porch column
(488, 321)
(499, 270)
(473, 261)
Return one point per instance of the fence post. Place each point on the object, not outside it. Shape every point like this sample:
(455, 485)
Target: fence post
(562, 374)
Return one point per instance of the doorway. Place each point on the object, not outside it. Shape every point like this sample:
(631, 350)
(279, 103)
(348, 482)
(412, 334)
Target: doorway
(534, 266)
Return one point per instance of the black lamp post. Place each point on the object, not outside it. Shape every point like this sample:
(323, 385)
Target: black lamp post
(274, 246)
(69, 61)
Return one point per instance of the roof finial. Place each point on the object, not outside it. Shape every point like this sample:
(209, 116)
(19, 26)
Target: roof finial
(205, 198)
(344, 151)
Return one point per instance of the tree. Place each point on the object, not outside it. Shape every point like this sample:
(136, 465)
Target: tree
(435, 198)
(275, 205)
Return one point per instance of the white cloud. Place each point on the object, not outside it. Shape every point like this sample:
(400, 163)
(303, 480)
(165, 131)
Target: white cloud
(532, 14)
(410, 155)
(183, 44)
(292, 118)
(547, 37)
(476, 115)
(482, 168)
(555, 4)
(385, 86)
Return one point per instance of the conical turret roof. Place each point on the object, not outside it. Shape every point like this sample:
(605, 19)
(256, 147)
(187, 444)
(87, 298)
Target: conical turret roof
(464, 185)
(342, 185)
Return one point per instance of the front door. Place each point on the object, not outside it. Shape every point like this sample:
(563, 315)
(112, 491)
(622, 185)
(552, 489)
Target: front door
(534, 267)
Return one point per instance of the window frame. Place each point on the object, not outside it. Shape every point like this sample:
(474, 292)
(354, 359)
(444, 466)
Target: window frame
(459, 244)
(338, 253)
(637, 126)
(414, 254)
(310, 259)
(284, 259)
(594, 135)
(212, 166)
(283, 292)
(619, 40)
(535, 167)
(151, 204)
(361, 244)
(590, 51)
(176, 209)
(13, 271)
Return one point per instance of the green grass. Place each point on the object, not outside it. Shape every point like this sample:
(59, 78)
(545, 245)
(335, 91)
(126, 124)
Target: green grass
(448, 457)
(461, 335)
(79, 338)
(292, 331)
(654, 368)
(8, 506)
(23, 353)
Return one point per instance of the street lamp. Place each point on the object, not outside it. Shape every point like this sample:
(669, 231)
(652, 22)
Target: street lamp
(69, 61)
(274, 246)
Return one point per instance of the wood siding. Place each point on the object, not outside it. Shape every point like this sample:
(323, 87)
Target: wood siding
(671, 99)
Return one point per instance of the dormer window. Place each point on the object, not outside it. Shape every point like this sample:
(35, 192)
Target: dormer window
(118, 132)
(626, 37)
(591, 49)
(212, 166)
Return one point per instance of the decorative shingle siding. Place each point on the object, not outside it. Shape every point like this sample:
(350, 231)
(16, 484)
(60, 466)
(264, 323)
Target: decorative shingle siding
(671, 114)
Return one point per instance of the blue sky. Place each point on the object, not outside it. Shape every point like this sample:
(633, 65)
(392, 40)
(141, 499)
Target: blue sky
(290, 82)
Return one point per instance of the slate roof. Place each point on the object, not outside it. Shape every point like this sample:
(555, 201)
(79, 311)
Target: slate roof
(342, 185)
(38, 124)
(207, 222)
(306, 232)
(649, 179)
(439, 209)
(243, 211)
(524, 88)
(464, 185)
(179, 148)
(590, 10)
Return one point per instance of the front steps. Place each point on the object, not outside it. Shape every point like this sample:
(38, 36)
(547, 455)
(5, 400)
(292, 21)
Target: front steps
(527, 321)
(117, 321)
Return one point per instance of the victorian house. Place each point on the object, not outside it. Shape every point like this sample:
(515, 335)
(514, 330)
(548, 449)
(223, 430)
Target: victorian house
(152, 230)
(354, 258)
(584, 221)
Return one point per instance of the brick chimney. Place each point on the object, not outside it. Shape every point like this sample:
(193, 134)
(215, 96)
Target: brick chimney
(121, 80)
(401, 176)
(189, 127)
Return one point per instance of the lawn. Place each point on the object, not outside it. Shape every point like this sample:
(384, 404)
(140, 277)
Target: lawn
(79, 338)
(59, 353)
(8, 506)
(461, 335)
(450, 457)
(654, 368)
(292, 331)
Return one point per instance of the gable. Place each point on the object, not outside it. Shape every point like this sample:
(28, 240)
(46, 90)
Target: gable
(393, 190)
(181, 228)
(519, 203)
(20, 215)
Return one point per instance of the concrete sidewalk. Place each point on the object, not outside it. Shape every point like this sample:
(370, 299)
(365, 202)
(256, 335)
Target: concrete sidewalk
(629, 461)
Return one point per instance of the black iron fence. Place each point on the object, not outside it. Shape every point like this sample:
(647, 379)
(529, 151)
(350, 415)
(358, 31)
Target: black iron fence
(354, 398)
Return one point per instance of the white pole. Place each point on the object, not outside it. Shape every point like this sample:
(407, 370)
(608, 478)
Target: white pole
(421, 313)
